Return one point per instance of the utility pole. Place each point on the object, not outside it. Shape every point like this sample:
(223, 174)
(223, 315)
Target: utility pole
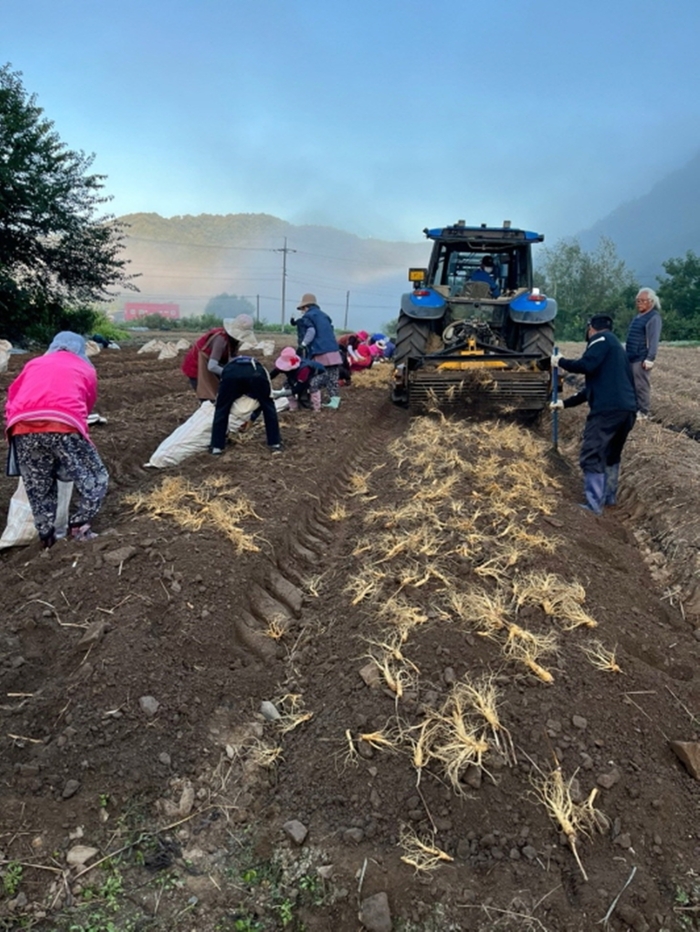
(257, 308)
(347, 307)
(284, 252)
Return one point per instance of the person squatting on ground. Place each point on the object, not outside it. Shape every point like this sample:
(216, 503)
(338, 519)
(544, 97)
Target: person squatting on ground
(205, 359)
(299, 373)
(383, 343)
(642, 345)
(46, 426)
(317, 341)
(244, 375)
(347, 345)
(609, 391)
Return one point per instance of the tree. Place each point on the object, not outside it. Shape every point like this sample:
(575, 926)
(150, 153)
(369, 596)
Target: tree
(228, 305)
(679, 292)
(586, 283)
(57, 253)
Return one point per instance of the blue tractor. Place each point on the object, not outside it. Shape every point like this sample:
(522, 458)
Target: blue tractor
(474, 332)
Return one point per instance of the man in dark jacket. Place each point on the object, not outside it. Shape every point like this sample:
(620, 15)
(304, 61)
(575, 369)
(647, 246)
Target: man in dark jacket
(611, 397)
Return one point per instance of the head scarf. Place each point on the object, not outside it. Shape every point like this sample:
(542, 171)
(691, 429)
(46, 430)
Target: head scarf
(71, 342)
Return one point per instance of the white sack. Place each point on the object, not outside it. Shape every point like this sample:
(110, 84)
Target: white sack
(266, 347)
(168, 351)
(20, 529)
(153, 346)
(194, 436)
(4, 359)
(92, 348)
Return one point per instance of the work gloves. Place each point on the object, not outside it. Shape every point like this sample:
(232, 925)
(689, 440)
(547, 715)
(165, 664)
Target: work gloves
(554, 359)
(556, 405)
(648, 364)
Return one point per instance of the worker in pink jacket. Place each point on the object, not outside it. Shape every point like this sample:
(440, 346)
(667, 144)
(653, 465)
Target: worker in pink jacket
(46, 426)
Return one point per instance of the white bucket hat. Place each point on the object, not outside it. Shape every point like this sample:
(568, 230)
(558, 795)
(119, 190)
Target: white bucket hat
(241, 329)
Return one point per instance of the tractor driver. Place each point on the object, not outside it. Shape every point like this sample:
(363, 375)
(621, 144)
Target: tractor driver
(485, 274)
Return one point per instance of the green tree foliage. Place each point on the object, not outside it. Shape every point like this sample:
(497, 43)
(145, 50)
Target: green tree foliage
(585, 283)
(158, 322)
(228, 305)
(57, 253)
(679, 291)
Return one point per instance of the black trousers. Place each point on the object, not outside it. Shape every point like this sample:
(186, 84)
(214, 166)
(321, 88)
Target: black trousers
(604, 437)
(239, 379)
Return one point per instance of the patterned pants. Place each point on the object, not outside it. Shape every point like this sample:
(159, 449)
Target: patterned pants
(327, 380)
(45, 458)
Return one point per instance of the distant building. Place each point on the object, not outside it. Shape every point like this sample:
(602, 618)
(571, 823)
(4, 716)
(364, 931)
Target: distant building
(135, 310)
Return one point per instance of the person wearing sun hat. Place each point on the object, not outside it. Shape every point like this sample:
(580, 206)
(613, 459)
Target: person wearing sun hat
(205, 359)
(299, 373)
(317, 341)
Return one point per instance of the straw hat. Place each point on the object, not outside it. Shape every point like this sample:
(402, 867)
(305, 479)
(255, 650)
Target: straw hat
(306, 300)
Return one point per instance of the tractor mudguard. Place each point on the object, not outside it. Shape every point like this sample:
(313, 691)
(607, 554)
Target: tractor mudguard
(523, 310)
(423, 305)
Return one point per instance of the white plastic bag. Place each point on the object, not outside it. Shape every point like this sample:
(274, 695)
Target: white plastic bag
(194, 436)
(152, 346)
(20, 529)
(5, 347)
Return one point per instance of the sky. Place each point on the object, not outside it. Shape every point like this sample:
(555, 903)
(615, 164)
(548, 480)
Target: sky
(378, 117)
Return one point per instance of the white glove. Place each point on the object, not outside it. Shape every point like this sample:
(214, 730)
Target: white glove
(648, 364)
(554, 359)
(281, 392)
(556, 405)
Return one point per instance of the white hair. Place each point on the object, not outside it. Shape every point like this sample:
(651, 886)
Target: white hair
(652, 295)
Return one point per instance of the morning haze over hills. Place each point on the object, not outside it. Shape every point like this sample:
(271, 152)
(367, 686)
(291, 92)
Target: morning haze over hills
(190, 259)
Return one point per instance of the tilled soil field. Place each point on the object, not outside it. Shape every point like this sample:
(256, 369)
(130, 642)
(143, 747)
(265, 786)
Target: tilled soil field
(391, 679)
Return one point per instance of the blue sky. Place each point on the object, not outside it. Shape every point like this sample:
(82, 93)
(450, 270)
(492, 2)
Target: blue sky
(378, 117)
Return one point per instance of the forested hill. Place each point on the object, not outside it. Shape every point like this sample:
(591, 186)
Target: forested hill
(190, 259)
(660, 225)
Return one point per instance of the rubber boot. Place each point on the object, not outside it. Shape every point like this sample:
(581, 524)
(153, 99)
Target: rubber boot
(612, 477)
(594, 492)
(315, 400)
(333, 403)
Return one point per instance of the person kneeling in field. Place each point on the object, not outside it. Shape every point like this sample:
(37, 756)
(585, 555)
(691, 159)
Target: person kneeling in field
(609, 391)
(47, 428)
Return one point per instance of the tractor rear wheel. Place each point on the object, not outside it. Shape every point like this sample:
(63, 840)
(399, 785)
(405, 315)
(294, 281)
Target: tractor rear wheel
(537, 339)
(411, 338)
(411, 342)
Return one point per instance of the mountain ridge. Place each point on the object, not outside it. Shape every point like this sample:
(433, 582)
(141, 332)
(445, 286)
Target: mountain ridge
(662, 224)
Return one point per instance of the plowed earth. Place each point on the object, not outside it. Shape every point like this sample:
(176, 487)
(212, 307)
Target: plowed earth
(376, 536)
